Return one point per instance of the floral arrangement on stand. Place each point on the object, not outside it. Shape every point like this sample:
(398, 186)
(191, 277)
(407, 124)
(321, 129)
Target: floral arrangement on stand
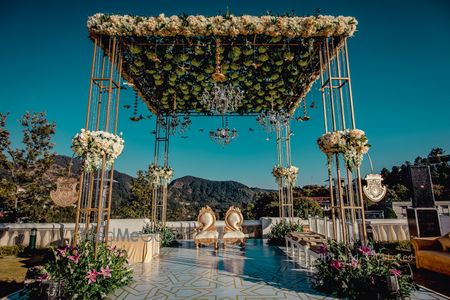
(352, 143)
(81, 275)
(93, 146)
(158, 174)
(289, 173)
(358, 272)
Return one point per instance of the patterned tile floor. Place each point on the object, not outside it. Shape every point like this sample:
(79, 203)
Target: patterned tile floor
(259, 272)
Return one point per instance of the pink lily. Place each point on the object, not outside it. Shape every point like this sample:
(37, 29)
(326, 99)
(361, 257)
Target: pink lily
(395, 272)
(92, 276)
(106, 272)
(336, 264)
(43, 277)
(354, 264)
(62, 252)
(365, 250)
(75, 258)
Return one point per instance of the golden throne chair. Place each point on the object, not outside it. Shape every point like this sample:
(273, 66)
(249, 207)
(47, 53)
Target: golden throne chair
(233, 227)
(207, 233)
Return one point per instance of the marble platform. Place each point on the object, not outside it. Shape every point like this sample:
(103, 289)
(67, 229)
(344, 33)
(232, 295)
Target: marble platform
(259, 272)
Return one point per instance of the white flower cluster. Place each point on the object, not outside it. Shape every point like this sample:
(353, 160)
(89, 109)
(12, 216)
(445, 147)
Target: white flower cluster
(93, 146)
(159, 174)
(313, 26)
(352, 143)
(289, 173)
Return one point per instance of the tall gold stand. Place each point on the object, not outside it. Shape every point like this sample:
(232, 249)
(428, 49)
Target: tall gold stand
(94, 201)
(347, 206)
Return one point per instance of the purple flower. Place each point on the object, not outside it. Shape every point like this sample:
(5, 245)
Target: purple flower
(336, 264)
(395, 272)
(106, 272)
(92, 276)
(322, 249)
(365, 250)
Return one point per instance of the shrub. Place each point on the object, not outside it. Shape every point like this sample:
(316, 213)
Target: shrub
(280, 230)
(166, 236)
(83, 275)
(358, 272)
(11, 250)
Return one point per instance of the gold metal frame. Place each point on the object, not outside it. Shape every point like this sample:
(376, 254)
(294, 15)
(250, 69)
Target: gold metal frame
(285, 188)
(347, 206)
(94, 200)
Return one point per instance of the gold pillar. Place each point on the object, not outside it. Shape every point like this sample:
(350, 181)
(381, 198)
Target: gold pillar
(337, 100)
(95, 194)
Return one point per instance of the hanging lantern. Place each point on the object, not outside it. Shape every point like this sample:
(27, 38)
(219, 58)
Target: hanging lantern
(374, 190)
(66, 191)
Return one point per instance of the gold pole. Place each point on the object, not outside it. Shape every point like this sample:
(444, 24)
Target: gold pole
(111, 176)
(88, 110)
(358, 171)
(338, 172)
(349, 174)
(330, 178)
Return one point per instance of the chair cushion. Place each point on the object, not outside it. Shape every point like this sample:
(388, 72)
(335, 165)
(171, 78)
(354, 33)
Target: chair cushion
(444, 241)
(207, 235)
(234, 235)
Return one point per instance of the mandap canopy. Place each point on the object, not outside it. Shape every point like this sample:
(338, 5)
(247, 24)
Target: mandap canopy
(171, 62)
(273, 60)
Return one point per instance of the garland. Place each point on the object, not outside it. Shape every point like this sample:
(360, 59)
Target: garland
(158, 174)
(352, 143)
(289, 173)
(304, 27)
(94, 146)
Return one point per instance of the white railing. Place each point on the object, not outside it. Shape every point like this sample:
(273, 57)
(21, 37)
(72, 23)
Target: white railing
(383, 230)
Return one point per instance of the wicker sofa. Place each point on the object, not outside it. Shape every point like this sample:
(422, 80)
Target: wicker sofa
(433, 253)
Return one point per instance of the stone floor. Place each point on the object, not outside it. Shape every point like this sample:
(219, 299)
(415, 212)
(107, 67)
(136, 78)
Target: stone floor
(259, 272)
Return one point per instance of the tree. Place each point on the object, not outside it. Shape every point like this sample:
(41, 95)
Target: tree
(27, 169)
(7, 188)
(305, 207)
(266, 205)
(139, 206)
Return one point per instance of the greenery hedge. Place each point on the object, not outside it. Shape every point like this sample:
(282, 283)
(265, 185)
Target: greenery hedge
(11, 250)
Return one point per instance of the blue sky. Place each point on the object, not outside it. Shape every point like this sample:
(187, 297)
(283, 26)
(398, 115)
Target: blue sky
(399, 60)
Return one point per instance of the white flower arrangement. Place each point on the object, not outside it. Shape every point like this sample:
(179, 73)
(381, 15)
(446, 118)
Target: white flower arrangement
(93, 146)
(159, 174)
(289, 173)
(352, 143)
(313, 26)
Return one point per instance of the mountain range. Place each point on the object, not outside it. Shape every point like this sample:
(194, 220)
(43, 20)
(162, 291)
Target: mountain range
(187, 193)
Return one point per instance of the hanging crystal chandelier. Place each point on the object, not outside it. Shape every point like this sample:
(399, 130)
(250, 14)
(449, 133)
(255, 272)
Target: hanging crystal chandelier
(223, 136)
(174, 124)
(271, 119)
(222, 99)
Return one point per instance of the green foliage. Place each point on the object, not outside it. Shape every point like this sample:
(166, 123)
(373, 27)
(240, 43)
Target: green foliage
(305, 207)
(398, 181)
(11, 250)
(27, 182)
(266, 205)
(167, 237)
(358, 272)
(280, 230)
(73, 265)
(139, 205)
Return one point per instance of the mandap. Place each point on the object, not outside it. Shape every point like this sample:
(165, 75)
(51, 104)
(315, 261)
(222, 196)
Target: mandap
(186, 66)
